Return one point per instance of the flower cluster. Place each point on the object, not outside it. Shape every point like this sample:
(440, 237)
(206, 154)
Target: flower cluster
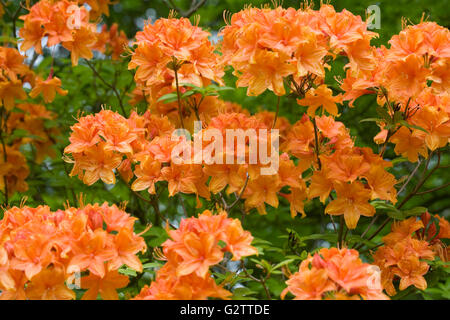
(335, 274)
(23, 123)
(111, 42)
(356, 174)
(14, 74)
(40, 250)
(410, 242)
(411, 79)
(171, 53)
(104, 142)
(64, 22)
(266, 46)
(190, 252)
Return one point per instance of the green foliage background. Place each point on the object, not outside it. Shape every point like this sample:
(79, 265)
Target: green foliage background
(50, 183)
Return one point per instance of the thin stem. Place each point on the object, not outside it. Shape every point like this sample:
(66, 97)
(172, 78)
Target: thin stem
(261, 280)
(112, 87)
(434, 189)
(341, 231)
(276, 113)
(175, 69)
(4, 129)
(192, 9)
(316, 143)
(229, 207)
(374, 219)
(410, 177)
(380, 228)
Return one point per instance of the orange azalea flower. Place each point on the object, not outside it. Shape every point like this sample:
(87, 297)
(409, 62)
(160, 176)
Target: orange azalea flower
(91, 251)
(148, 173)
(333, 274)
(32, 35)
(382, 184)
(309, 285)
(310, 54)
(352, 202)
(320, 97)
(81, 45)
(186, 179)
(239, 241)
(43, 249)
(262, 190)
(9, 92)
(437, 124)
(403, 254)
(106, 286)
(198, 252)
(411, 272)
(409, 144)
(97, 163)
(48, 88)
(127, 245)
(266, 72)
(321, 186)
(84, 135)
(49, 285)
(345, 165)
(406, 78)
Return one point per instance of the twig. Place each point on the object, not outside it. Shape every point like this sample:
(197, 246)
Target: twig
(410, 177)
(229, 207)
(192, 9)
(434, 189)
(113, 88)
(316, 143)
(276, 113)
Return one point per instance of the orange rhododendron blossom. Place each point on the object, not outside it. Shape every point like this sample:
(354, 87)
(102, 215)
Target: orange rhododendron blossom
(170, 53)
(191, 250)
(335, 274)
(352, 202)
(266, 46)
(42, 249)
(67, 23)
(48, 88)
(410, 242)
(320, 97)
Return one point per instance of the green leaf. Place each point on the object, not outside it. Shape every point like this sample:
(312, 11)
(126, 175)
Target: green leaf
(417, 211)
(412, 126)
(167, 98)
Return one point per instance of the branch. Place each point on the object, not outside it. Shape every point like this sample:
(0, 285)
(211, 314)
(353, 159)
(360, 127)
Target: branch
(112, 87)
(192, 9)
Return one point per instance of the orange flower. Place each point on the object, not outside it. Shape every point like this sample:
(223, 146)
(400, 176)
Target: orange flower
(49, 285)
(409, 144)
(91, 251)
(352, 202)
(9, 92)
(48, 88)
(266, 72)
(320, 97)
(127, 245)
(401, 256)
(81, 45)
(105, 286)
(411, 272)
(148, 173)
(239, 241)
(97, 163)
(334, 274)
